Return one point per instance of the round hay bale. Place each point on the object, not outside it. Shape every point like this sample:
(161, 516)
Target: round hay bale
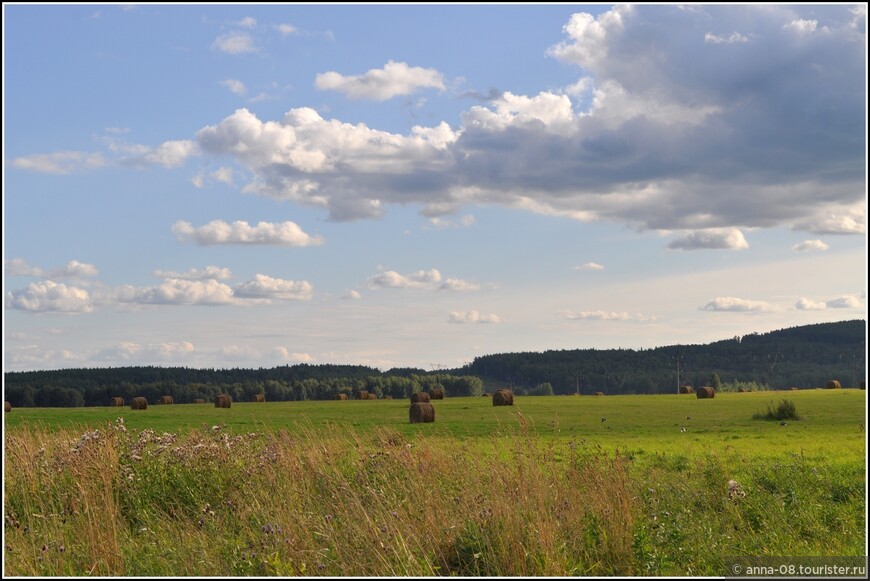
(388, 397)
(7, 406)
(166, 400)
(259, 397)
(436, 393)
(223, 401)
(341, 396)
(706, 393)
(363, 394)
(139, 403)
(373, 396)
(687, 389)
(833, 384)
(117, 401)
(199, 401)
(503, 397)
(421, 412)
(420, 397)
(599, 393)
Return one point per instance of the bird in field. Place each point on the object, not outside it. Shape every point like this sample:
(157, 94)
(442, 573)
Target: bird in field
(688, 417)
(782, 423)
(682, 430)
(603, 419)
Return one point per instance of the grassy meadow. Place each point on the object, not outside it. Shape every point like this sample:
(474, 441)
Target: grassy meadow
(565, 485)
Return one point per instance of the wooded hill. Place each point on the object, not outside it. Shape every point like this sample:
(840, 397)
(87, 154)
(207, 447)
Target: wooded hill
(806, 356)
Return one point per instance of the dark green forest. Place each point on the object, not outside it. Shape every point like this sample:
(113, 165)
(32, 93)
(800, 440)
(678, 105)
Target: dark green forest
(804, 357)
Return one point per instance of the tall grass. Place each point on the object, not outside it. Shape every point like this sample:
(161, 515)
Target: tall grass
(114, 502)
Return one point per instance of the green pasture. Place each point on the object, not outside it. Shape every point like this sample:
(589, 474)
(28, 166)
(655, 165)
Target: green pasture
(832, 425)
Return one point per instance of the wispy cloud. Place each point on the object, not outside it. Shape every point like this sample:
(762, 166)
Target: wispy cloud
(60, 162)
(235, 43)
(235, 86)
(589, 266)
(810, 246)
(605, 316)
(737, 305)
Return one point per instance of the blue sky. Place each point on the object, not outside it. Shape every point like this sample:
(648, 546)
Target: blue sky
(222, 186)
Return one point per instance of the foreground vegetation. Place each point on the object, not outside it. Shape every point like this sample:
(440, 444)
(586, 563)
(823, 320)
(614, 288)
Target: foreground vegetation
(554, 486)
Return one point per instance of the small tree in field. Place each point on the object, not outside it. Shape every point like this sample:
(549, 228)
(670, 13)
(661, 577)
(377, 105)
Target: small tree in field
(715, 382)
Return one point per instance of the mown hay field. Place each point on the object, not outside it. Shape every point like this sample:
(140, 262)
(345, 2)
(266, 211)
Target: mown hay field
(831, 428)
(552, 486)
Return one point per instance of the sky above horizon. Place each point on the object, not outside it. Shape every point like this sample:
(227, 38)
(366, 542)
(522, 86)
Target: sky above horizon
(415, 186)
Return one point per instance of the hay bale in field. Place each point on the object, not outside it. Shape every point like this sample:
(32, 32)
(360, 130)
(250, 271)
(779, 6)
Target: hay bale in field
(117, 401)
(259, 397)
(421, 412)
(341, 396)
(436, 393)
(363, 394)
(503, 397)
(223, 401)
(7, 406)
(706, 392)
(599, 393)
(687, 389)
(794, 388)
(199, 401)
(373, 396)
(166, 400)
(139, 403)
(387, 397)
(420, 397)
(833, 384)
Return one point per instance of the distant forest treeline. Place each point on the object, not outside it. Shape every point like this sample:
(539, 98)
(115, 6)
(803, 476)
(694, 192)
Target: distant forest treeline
(806, 356)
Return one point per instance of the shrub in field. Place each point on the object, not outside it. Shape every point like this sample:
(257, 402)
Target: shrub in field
(785, 410)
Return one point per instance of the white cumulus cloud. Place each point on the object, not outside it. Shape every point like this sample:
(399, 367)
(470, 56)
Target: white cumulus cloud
(805, 304)
(847, 302)
(266, 287)
(392, 279)
(460, 317)
(240, 232)
(714, 239)
(175, 291)
(393, 80)
(457, 284)
(809, 246)
(50, 296)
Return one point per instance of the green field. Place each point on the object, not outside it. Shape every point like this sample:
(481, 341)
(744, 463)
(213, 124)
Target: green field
(565, 485)
(832, 426)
